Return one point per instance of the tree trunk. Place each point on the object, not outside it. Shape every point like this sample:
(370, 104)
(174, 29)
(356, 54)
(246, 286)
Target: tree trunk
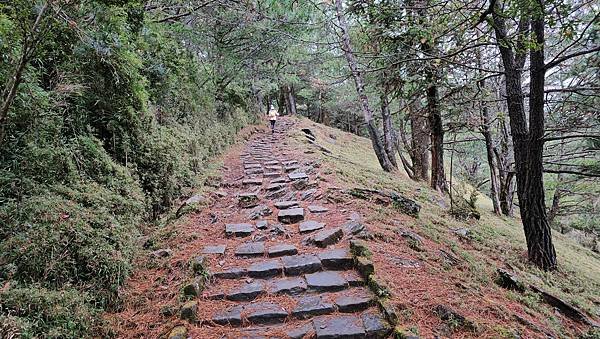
(555, 207)
(420, 143)
(290, 100)
(378, 147)
(388, 129)
(438, 177)
(281, 101)
(528, 142)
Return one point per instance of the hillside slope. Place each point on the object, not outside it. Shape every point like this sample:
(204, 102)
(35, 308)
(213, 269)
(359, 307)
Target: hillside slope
(433, 275)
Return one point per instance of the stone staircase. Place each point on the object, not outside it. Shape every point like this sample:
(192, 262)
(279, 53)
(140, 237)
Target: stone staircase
(283, 267)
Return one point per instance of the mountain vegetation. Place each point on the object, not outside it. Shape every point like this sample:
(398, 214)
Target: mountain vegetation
(111, 110)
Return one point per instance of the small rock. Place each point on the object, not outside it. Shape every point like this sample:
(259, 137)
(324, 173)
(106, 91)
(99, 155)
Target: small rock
(286, 204)
(317, 209)
(188, 311)
(262, 224)
(353, 227)
(162, 253)
(509, 280)
(193, 288)
(179, 332)
(462, 232)
(214, 249)
(259, 212)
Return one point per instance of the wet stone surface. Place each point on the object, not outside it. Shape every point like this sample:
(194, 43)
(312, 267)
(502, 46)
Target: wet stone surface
(354, 302)
(265, 313)
(232, 273)
(375, 326)
(231, 316)
(248, 291)
(336, 259)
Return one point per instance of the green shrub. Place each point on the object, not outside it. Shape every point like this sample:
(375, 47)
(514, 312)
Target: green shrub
(38, 312)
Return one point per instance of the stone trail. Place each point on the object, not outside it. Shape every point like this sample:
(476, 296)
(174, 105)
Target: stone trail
(281, 268)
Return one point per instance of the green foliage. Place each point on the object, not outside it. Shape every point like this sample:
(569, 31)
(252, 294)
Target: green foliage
(35, 312)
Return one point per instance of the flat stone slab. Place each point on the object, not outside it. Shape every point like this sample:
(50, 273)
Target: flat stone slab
(301, 264)
(275, 187)
(375, 326)
(252, 249)
(300, 332)
(251, 165)
(353, 303)
(246, 292)
(328, 237)
(281, 250)
(309, 226)
(337, 259)
(287, 286)
(291, 168)
(271, 174)
(310, 306)
(252, 181)
(297, 176)
(291, 216)
(282, 205)
(317, 209)
(262, 224)
(343, 326)
(265, 269)
(256, 170)
(272, 163)
(232, 273)
(280, 180)
(274, 168)
(231, 316)
(265, 313)
(214, 249)
(326, 281)
(354, 279)
(239, 230)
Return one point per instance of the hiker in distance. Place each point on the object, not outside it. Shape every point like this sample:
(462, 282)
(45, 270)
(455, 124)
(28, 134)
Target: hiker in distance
(273, 114)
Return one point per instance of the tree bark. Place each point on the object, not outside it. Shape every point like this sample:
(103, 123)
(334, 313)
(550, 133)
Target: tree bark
(420, 141)
(438, 177)
(388, 129)
(528, 141)
(378, 147)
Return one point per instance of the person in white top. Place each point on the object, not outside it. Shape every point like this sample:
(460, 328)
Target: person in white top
(273, 114)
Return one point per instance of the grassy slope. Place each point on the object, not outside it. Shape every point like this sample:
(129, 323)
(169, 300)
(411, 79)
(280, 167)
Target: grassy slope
(498, 242)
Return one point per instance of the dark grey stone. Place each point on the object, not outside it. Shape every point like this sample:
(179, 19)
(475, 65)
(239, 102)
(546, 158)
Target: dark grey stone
(265, 269)
(309, 194)
(336, 259)
(252, 249)
(287, 286)
(248, 291)
(300, 332)
(317, 209)
(300, 184)
(301, 264)
(328, 237)
(310, 225)
(375, 326)
(282, 205)
(215, 249)
(232, 273)
(354, 279)
(354, 302)
(274, 168)
(259, 211)
(251, 165)
(272, 163)
(344, 326)
(297, 176)
(291, 168)
(252, 181)
(281, 250)
(291, 216)
(275, 187)
(280, 180)
(276, 194)
(353, 227)
(239, 230)
(326, 281)
(310, 306)
(262, 224)
(265, 313)
(231, 316)
(271, 174)
(189, 311)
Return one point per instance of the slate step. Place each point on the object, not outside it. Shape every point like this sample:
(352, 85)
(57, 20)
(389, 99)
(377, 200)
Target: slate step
(328, 237)
(253, 249)
(246, 292)
(239, 230)
(265, 313)
(336, 259)
(281, 250)
(294, 285)
(310, 306)
(291, 216)
(326, 281)
(346, 326)
(301, 264)
(309, 226)
(282, 205)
